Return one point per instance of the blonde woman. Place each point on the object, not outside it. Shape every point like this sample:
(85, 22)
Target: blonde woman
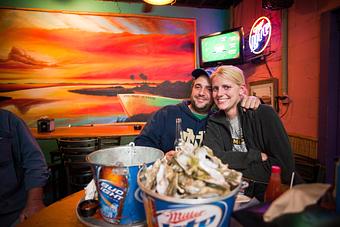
(250, 141)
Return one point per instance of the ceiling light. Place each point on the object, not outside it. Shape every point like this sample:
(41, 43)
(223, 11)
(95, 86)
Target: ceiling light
(160, 2)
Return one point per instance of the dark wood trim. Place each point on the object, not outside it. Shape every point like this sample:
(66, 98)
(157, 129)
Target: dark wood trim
(329, 105)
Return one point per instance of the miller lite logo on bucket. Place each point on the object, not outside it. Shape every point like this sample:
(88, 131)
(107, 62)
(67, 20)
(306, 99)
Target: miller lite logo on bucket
(259, 35)
(205, 215)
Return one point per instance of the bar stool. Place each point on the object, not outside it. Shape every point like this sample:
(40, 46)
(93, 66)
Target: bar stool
(73, 155)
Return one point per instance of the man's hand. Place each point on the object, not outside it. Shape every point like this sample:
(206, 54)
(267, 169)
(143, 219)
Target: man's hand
(170, 154)
(250, 102)
(264, 156)
(34, 203)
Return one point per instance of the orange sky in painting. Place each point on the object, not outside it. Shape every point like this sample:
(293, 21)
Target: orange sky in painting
(92, 49)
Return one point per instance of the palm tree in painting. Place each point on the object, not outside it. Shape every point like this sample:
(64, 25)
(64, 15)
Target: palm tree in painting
(143, 77)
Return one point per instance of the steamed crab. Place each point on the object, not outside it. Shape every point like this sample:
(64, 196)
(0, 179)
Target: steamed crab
(192, 173)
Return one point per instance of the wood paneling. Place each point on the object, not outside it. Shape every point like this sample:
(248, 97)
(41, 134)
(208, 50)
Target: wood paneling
(304, 145)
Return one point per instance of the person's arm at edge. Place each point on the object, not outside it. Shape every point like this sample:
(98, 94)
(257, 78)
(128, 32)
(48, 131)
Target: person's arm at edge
(35, 170)
(34, 203)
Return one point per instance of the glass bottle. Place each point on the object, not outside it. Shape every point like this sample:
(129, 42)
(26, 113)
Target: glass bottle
(178, 136)
(274, 186)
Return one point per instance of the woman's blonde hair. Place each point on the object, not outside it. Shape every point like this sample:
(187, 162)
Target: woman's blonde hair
(231, 73)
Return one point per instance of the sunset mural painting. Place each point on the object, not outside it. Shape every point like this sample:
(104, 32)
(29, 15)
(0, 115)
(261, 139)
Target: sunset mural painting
(72, 66)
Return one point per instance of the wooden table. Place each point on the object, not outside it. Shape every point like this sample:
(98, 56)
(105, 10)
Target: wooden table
(60, 213)
(63, 213)
(102, 130)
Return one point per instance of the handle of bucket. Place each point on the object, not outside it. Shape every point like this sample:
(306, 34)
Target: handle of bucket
(97, 172)
(141, 165)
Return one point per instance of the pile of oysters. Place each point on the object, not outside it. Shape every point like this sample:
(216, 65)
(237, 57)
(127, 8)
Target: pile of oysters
(190, 174)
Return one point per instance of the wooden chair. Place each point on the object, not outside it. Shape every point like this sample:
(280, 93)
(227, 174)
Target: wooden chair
(78, 171)
(107, 142)
(310, 169)
(73, 155)
(53, 190)
(70, 143)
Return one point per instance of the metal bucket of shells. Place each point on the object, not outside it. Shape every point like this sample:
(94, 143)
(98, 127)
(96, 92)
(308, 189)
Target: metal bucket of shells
(194, 188)
(115, 172)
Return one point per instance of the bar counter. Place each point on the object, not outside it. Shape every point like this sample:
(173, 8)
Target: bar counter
(100, 130)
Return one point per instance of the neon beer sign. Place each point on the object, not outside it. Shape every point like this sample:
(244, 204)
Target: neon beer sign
(259, 35)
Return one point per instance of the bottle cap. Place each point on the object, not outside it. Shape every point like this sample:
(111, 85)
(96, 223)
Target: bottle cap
(276, 169)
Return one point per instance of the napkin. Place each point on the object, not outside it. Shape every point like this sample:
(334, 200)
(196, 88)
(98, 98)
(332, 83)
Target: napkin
(243, 202)
(90, 190)
(295, 200)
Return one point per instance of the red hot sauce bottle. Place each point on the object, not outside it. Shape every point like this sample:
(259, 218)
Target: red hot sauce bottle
(274, 186)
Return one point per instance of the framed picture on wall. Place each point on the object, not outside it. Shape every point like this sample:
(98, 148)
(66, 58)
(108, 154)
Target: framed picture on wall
(265, 89)
(93, 68)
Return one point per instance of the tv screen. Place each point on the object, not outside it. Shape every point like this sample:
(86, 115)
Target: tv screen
(222, 48)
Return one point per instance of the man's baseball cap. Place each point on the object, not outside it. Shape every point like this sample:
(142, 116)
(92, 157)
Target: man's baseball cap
(200, 72)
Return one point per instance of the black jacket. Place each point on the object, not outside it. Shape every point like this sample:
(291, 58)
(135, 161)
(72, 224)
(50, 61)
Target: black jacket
(263, 132)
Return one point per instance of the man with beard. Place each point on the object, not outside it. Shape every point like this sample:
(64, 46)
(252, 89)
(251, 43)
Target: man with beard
(160, 130)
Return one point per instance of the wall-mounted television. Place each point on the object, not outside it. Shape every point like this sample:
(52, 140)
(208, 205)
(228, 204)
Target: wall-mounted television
(221, 48)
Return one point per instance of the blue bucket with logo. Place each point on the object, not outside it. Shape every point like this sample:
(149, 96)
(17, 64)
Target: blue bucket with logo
(115, 173)
(165, 211)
